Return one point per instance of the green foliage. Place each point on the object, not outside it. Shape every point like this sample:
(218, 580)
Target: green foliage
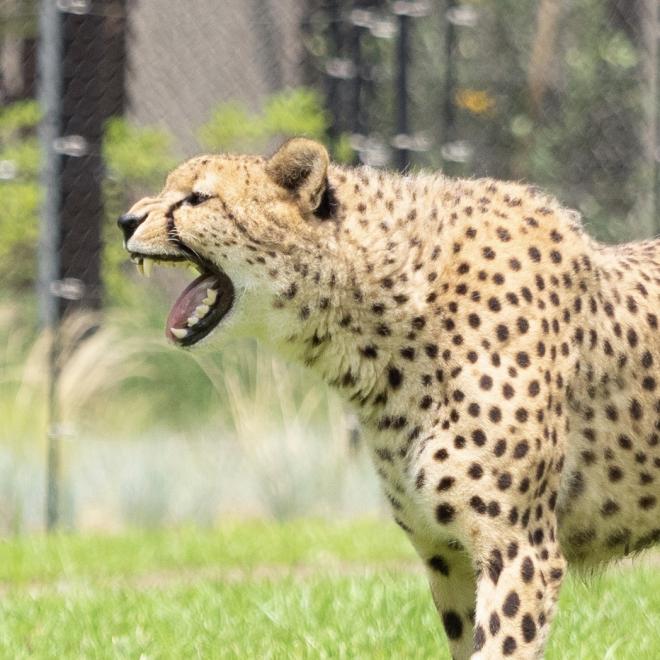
(137, 161)
(233, 127)
(18, 117)
(20, 232)
(21, 196)
(137, 157)
(230, 124)
(589, 152)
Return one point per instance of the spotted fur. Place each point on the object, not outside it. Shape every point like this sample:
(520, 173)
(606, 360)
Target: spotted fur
(504, 365)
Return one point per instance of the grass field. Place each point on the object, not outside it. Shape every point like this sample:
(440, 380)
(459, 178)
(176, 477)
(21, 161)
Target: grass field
(263, 590)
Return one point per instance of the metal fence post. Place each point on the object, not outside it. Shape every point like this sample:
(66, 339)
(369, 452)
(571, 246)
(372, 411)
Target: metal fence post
(74, 106)
(50, 80)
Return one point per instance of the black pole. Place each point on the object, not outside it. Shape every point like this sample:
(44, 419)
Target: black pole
(71, 92)
(333, 88)
(402, 160)
(356, 118)
(81, 206)
(450, 76)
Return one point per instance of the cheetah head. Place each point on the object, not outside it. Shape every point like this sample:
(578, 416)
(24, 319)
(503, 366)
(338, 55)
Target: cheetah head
(241, 221)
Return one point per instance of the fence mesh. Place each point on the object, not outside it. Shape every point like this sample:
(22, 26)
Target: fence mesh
(561, 93)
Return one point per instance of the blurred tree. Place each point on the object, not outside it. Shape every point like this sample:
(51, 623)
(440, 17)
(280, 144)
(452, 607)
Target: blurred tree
(19, 169)
(18, 49)
(232, 127)
(542, 71)
(136, 161)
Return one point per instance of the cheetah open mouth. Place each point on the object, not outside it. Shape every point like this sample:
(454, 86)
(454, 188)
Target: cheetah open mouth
(201, 306)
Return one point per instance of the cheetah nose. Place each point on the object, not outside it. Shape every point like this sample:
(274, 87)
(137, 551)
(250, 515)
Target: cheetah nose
(129, 222)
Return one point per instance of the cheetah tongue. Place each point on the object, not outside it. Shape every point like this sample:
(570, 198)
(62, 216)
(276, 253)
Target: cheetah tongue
(199, 308)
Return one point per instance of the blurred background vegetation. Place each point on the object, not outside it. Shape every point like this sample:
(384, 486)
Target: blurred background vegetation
(561, 94)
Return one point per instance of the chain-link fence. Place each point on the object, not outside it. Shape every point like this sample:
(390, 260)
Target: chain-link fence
(101, 97)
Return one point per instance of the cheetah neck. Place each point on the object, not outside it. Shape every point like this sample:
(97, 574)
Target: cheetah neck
(356, 313)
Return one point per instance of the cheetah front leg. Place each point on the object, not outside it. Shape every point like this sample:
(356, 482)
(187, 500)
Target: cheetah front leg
(517, 591)
(453, 587)
(503, 515)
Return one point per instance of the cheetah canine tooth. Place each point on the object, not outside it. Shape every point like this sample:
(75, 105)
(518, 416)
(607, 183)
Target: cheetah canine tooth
(148, 266)
(179, 333)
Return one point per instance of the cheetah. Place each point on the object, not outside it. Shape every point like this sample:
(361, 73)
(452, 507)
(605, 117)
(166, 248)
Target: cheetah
(505, 366)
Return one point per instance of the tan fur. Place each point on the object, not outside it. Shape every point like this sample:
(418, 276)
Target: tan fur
(504, 365)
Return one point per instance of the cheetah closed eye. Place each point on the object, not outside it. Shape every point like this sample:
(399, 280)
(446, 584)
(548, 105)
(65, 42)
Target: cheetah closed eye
(504, 365)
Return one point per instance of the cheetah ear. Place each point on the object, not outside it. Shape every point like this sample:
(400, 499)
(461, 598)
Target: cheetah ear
(301, 166)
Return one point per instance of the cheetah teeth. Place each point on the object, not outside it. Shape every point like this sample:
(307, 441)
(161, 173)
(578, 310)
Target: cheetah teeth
(202, 310)
(144, 265)
(179, 333)
(211, 297)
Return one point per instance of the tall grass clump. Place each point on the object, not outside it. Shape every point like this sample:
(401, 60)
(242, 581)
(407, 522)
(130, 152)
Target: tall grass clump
(152, 435)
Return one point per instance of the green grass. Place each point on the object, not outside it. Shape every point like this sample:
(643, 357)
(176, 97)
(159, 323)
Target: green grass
(261, 590)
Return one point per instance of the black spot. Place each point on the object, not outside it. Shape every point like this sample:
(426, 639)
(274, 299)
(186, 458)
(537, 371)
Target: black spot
(521, 449)
(494, 623)
(500, 447)
(408, 352)
(394, 377)
(493, 509)
(445, 513)
(479, 437)
(511, 604)
(439, 564)
(474, 320)
(509, 646)
(523, 360)
(527, 570)
(453, 624)
(431, 350)
(504, 481)
(609, 508)
(528, 628)
(502, 332)
(495, 565)
(476, 471)
(370, 352)
(478, 504)
(479, 638)
(445, 483)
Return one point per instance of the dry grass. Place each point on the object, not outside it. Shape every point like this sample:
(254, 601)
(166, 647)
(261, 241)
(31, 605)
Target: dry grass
(157, 426)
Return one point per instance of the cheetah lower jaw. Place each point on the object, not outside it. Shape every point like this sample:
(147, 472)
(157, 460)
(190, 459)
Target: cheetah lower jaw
(200, 308)
(202, 305)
